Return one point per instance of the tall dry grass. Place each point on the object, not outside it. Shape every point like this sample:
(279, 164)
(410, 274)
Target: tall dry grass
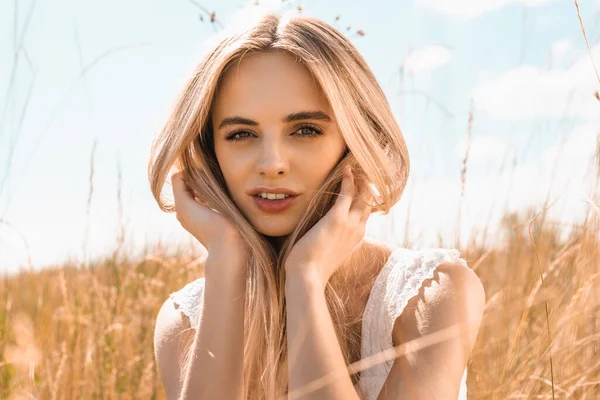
(85, 331)
(77, 331)
(73, 332)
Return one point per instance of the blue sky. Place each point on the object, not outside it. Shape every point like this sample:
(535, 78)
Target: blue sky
(108, 73)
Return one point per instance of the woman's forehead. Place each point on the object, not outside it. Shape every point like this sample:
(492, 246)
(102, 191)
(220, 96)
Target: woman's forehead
(268, 81)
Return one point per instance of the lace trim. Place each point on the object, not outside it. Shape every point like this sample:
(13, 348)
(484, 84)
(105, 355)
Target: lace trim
(372, 311)
(423, 267)
(190, 300)
(399, 280)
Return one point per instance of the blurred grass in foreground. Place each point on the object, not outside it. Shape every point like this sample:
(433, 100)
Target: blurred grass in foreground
(72, 333)
(87, 333)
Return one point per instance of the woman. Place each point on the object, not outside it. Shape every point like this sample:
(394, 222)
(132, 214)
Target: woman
(285, 144)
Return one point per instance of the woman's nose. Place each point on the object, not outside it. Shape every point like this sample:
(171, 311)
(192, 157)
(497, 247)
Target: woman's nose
(272, 160)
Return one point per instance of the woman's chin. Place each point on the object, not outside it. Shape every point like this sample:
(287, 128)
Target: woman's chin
(274, 233)
(275, 228)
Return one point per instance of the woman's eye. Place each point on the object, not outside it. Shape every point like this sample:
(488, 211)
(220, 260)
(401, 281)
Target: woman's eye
(309, 131)
(238, 136)
(303, 131)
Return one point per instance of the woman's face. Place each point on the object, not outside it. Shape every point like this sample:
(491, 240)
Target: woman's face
(287, 137)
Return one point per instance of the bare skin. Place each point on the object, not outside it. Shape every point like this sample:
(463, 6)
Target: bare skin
(263, 89)
(266, 88)
(256, 97)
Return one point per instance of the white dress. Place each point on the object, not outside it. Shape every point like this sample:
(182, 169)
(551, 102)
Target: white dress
(398, 281)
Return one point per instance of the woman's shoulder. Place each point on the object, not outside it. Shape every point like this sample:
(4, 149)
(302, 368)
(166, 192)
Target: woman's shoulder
(172, 334)
(405, 273)
(449, 304)
(436, 281)
(189, 300)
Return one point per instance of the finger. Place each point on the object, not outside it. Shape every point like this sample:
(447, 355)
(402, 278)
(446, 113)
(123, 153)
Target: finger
(200, 201)
(346, 196)
(172, 175)
(363, 207)
(181, 193)
(363, 200)
(366, 213)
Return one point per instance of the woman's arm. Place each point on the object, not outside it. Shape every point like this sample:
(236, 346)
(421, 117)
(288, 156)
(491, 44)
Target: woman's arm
(313, 349)
(314, 352)
(215, 369)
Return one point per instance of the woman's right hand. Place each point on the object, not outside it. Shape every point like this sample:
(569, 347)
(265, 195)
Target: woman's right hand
(211, 229)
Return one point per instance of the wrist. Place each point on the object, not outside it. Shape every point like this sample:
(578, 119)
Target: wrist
(229, 244)
(305, 277)
(231, 264)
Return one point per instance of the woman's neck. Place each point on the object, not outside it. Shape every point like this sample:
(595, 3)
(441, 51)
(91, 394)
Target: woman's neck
(276, 242)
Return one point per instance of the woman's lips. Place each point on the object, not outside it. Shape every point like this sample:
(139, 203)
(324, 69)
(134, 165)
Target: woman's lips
(274, 206)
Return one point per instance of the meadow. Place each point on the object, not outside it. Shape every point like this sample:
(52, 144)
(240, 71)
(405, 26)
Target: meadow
(77, 331)
(72, 332)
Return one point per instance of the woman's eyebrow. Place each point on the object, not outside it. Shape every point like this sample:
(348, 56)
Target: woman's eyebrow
(302, 115)
(298, 116)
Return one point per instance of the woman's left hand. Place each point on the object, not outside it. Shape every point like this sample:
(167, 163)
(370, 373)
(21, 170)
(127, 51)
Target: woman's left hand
(323, 249)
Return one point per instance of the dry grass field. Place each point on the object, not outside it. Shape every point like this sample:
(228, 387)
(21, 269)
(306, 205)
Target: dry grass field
(74, 333)
(86, 332)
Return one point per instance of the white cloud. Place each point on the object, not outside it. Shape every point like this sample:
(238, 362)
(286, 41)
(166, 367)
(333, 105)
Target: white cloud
(482, 147)
(530, 92)
(575, 154)
(473, 8)
(560, 49)
(427, 59)
(434, 203)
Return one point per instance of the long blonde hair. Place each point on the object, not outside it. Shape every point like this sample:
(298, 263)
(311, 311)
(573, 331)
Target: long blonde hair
(375, 150)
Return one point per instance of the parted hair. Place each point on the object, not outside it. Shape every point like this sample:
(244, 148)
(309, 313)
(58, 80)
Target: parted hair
(375, 150)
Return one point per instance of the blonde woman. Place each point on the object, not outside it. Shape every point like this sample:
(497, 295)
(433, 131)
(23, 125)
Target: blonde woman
(284, 145)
